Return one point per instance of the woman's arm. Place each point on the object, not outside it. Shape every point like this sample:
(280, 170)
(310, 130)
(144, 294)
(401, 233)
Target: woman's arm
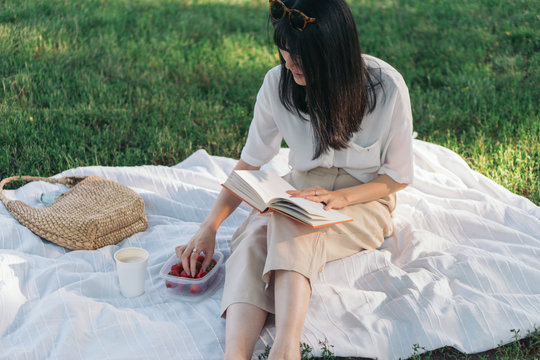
(226, 202)
(205, 238)
(377, 188)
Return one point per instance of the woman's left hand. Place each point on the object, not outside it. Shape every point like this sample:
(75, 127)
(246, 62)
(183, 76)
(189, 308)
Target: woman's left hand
(331, 199)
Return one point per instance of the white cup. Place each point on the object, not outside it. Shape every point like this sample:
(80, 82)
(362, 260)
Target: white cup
(131, 267)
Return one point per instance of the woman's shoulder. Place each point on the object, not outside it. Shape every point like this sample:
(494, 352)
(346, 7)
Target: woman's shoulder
(388, 75)
(269, 89)
(272, 76)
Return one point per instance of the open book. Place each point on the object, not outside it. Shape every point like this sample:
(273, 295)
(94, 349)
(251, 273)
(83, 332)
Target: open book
(265, 191)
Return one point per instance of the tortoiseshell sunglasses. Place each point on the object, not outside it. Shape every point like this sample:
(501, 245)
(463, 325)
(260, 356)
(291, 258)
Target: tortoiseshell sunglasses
(297, 19)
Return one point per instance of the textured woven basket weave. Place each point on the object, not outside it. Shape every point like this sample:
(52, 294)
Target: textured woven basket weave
(94, 213)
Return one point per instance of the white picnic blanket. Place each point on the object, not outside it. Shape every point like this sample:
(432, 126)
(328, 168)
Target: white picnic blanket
(462, 270)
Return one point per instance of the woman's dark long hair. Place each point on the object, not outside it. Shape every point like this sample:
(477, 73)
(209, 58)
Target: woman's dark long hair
(339, 90)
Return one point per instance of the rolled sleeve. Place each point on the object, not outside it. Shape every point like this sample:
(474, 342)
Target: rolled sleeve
(397, 161)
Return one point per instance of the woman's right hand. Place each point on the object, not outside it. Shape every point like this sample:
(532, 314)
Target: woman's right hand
(203, 241)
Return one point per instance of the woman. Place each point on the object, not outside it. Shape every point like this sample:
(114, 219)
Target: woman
(347, 120)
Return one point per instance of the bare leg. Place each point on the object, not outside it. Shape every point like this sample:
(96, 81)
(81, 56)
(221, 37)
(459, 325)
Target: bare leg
(243, 326)
(292, 292)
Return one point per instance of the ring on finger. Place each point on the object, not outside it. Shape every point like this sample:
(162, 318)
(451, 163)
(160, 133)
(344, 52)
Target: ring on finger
(194, 250)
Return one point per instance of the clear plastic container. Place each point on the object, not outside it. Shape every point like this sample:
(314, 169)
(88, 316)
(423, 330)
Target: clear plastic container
(189, 287)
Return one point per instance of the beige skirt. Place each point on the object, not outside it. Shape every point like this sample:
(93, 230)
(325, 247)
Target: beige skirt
(271, 241)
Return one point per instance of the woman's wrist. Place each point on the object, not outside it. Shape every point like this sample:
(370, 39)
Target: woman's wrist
(211, 224)
(345, 199)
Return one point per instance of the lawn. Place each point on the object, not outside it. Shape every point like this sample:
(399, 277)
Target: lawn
(139, 82)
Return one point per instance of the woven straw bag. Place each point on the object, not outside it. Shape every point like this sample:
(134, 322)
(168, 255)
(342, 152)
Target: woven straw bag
(94, 213)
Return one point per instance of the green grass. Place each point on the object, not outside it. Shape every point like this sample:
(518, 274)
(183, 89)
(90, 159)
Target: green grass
(126, 82)
(523, 348)
(131, 82)
(527, 348)
(137, 82)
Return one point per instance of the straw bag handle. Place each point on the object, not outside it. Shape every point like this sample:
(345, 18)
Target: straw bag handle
(68, 181)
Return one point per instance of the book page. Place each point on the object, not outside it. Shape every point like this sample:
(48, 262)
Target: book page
(312, 222)
(324, 216)
(267, 184)
(286, 204)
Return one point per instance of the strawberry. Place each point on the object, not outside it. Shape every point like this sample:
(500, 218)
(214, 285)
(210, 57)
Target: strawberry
(195, 288)
(174, 272)
(201, 274)
(177, 267)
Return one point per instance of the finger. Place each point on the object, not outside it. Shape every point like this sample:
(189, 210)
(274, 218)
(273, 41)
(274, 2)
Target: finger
(193, 261)
(322, 198)
(207, 259)
(316, 199)
(302, 193)
(327, 206)
(179, 250)
(295, 193)
(320, 194)
(186, 263)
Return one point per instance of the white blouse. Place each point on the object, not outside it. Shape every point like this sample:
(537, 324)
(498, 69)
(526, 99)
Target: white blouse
(383, 145)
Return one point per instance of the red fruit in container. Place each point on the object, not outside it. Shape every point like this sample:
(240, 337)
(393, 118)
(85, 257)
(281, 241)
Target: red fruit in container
(177, 267)
(174, 272)
(201, 274)
(178, 282)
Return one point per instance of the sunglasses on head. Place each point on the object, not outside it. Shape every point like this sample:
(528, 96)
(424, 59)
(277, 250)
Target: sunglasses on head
(297, 19)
